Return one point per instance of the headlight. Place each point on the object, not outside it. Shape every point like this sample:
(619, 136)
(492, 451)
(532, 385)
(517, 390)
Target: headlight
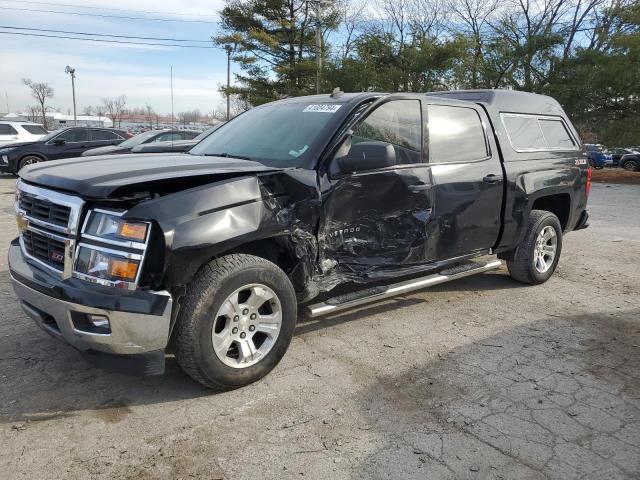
(104, 264)
(110, 226)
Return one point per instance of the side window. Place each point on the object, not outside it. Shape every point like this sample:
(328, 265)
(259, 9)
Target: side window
(189, 135)
(524, 132)
(74, 135)
(165, 137)
(97, 135)
(528, 132)
(398, 122)
(6, 129)
(34, 129)
(556, 134)
(455, 134)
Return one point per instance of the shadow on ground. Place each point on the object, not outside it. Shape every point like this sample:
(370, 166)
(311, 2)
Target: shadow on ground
(557, 398)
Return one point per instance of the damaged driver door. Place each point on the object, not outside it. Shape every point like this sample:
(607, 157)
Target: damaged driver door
(377, 209)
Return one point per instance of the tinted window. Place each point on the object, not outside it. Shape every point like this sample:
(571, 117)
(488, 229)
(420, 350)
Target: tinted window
(34, 129)
(556, 134)
(399, 123)
(165, 137)
(74, 135)
(455, 134)
(97, 135)
(6, 129)
(189, 135)
(524, 132)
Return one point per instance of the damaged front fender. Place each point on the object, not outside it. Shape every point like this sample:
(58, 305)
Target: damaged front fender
(201, 223)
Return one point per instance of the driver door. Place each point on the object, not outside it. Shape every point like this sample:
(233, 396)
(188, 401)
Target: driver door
(380, 218)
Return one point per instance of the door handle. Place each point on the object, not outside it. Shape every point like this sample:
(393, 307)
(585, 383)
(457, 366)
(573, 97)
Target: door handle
(419, 187)
(492, 178)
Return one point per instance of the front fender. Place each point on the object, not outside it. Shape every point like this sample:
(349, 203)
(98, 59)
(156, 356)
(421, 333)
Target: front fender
(201, 223)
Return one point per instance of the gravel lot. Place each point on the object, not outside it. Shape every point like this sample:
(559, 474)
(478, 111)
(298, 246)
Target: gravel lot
(480, 378)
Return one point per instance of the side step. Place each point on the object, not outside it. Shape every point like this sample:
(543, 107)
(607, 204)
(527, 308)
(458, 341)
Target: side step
(344, 302)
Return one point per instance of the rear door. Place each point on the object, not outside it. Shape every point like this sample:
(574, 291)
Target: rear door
(101, 138)
(467, 174)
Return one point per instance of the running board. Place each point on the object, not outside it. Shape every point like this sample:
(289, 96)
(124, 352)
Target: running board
(373, 294)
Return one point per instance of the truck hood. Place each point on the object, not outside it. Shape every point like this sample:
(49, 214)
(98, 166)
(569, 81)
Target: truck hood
(106, 177)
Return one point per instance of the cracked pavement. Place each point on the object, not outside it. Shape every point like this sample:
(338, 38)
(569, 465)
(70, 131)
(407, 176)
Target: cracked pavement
(482, 378)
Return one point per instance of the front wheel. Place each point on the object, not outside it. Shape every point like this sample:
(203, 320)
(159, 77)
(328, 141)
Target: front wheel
(536, 258)
(236, 321)
(631, 165)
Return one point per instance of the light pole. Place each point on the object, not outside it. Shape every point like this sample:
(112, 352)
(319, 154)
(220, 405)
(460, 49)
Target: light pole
(72, 72)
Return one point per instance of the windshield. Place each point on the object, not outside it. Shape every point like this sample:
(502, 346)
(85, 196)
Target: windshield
(277, 134)
(207, 132)
(138, 139)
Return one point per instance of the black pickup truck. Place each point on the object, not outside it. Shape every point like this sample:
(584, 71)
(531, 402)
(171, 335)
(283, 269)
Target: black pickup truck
(214, 254)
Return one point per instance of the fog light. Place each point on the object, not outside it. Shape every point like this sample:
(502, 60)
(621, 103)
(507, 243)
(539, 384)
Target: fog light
(99, 321)
(90, 323)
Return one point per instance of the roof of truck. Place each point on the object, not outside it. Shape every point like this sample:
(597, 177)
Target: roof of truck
(507, 101)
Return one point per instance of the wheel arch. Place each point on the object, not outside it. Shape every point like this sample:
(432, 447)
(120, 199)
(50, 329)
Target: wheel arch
(557, 203)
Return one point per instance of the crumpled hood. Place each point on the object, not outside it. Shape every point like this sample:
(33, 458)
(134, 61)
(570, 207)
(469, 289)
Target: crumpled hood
(100, 177)
(108, 149)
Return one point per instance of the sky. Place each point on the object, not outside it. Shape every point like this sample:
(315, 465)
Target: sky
(142, 73)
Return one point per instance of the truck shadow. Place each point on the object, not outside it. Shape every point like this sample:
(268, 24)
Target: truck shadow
(555, 398)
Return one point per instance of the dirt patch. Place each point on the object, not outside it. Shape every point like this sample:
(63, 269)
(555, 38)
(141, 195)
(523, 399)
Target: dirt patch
(616, 175)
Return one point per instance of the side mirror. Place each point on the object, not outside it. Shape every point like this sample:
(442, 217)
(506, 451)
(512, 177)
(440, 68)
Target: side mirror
(367, 156)
(59, 141)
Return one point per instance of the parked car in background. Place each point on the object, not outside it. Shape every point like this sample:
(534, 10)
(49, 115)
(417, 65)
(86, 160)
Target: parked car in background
(151, 136)
(176, 146)
(617, 153)
(630, 161)
(597, 158)
(12, 132)
(65, 143)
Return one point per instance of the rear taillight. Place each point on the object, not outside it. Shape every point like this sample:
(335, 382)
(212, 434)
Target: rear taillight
(588, 186)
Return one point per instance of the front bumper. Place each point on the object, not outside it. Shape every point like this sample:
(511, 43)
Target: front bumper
(140, 321)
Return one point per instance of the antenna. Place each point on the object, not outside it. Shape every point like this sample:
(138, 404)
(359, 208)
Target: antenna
(171, 97)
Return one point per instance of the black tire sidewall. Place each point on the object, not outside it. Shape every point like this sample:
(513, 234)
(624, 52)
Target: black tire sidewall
(546, 221)
(22, 163)
(210, 365)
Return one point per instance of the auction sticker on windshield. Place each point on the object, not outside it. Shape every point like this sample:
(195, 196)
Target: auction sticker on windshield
(322, 108)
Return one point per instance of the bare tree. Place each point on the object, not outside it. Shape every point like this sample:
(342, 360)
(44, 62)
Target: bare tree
(115, 108)
(41, 91)
(88, 110)
(33, 113)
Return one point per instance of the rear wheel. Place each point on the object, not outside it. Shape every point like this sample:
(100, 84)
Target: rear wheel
(236, 321)
(28, 160)
(536, 258)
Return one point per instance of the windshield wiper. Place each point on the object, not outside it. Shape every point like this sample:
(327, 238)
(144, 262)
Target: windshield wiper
(226, 155)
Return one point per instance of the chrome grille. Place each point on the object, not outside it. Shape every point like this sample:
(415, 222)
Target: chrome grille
(52, 221)
(45, 249)
(43, 210)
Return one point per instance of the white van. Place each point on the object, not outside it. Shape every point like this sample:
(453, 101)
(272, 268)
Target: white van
(13, 132)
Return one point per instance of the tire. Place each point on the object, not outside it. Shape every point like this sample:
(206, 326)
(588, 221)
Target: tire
(28, 160)
(524, 266)
(631, 165)
(208, 316)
